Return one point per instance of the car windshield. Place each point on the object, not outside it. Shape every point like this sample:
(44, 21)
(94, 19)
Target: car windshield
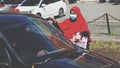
(24, 37)
(30, 2)
(49, 30)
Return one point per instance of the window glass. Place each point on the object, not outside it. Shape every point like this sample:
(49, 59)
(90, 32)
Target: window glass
(24, 32)
(30, 2)
(46, 2)
(42, 26)
(55, 1)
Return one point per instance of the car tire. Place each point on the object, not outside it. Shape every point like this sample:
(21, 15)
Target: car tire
(61, 12)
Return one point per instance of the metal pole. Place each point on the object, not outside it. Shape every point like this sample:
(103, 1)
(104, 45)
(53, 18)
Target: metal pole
(108, 26)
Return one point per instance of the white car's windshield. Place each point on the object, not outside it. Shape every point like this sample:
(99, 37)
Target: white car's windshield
(30, 2)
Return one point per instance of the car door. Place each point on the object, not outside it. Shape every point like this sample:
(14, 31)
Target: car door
(48, 7)
(56, 5)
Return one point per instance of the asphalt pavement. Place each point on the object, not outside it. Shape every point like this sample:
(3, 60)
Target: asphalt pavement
(94, 9)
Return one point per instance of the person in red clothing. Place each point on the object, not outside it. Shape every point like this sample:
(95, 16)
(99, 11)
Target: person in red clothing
(75, 28)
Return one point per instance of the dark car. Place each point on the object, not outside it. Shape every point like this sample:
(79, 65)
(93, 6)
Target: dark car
(28, 41)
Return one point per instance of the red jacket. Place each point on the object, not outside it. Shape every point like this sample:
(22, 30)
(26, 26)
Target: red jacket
(69, 29)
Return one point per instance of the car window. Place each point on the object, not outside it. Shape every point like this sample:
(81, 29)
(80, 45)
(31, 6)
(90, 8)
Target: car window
(46, 2)
(24, 36)
(30, 3)
(25, 32)
(42, 26)
(53, 1)
(51, 33)
(51, 30)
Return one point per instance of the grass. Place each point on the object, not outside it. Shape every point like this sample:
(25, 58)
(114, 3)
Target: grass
(109, 49)
(105, 45)
(113, 34)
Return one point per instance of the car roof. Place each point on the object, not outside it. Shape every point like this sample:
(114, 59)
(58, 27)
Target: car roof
(20, 13)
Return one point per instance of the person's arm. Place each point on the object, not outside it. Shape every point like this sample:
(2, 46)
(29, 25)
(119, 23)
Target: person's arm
(62, 26)
(55, 23)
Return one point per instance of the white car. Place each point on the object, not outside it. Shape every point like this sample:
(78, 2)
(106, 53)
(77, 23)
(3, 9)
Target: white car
(43, 8)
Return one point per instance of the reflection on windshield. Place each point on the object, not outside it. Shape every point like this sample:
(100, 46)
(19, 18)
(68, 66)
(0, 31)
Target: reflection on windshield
(27, 35)
(26, 39)
(30, 3)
